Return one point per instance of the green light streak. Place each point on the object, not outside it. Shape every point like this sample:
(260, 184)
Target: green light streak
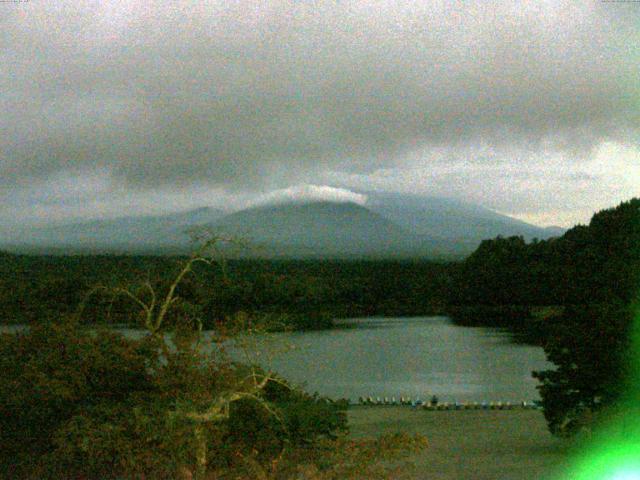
(610, 462)
(614, 451)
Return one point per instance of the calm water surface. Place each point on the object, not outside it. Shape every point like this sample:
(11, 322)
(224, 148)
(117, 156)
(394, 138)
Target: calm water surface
(418, 356)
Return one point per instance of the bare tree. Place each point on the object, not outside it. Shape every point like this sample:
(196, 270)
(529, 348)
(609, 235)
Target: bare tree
(156, 307)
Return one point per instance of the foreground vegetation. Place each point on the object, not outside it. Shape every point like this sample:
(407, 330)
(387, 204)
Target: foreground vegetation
(93, 404)
(80, 402)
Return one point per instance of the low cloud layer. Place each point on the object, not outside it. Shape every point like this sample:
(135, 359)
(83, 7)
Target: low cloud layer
(244, 97)
(310, 193)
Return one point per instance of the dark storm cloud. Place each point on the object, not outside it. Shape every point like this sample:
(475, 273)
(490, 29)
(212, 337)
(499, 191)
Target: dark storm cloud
(254, 95)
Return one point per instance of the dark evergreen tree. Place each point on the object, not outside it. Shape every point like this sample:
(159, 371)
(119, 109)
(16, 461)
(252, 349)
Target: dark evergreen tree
(590, 347)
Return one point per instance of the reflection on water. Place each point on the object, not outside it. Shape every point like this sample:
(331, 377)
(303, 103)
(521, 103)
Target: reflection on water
(406, 356)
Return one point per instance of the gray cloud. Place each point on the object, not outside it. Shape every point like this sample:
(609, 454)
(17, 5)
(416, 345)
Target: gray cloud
(252, 96)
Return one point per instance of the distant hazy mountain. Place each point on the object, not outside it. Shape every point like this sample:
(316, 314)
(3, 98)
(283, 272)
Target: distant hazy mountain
(125, 234)
(319, 229)
(387, 225)
(452, 219)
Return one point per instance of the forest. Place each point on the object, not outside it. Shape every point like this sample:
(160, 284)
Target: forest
(594, 263)
(81, 400)
(298, 294)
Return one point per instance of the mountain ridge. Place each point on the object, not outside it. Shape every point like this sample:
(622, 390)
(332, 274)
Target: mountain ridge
(387, 225)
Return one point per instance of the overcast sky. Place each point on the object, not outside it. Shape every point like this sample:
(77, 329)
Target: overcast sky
(113, 107)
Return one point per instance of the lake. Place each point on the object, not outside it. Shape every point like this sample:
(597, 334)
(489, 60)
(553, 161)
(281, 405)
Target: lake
(418, 356)
(394, 357)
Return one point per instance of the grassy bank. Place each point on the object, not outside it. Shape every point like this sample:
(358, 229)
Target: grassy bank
(479, 445)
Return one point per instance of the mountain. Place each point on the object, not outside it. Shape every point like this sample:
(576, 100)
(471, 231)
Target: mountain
(449, 219)
(322, 229)
(387, 225)
(553, 231)
(125, 234)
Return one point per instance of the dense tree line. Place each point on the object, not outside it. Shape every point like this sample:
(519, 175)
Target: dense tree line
(588, 264)
(303, 293)
(591, 347)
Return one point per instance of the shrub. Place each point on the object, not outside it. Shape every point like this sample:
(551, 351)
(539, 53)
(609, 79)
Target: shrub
(80, 403)
(54, 370)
